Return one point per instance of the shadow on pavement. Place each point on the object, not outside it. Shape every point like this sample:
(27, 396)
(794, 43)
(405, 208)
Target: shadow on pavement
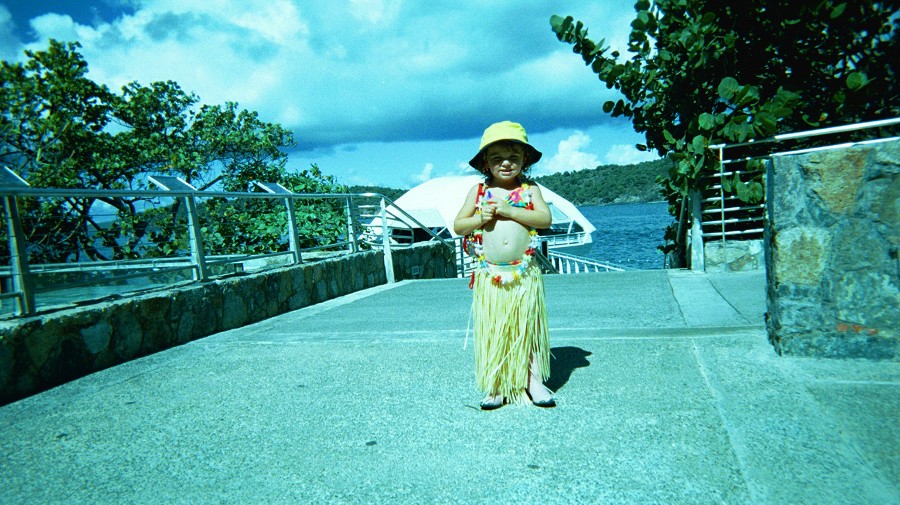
(564, 361)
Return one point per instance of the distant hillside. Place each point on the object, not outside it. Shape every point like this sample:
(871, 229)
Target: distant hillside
(609, 183)
(598, 186)
(391, 193)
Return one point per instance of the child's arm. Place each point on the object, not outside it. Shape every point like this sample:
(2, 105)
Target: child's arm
(467, 220)
(539, 217)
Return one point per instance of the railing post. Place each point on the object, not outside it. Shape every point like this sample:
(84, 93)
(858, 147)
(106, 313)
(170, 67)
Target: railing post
(721, 192)
(21, 279)
(460, 256)
(278, 189)
(386, 244)
(198, 257)
(292, 229)
(698, 259)
(351, 234)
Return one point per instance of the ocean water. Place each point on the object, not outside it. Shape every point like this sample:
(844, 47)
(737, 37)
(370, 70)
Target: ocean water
(628, 233)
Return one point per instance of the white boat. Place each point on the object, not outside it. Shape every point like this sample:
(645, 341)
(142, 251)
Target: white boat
(435, 203)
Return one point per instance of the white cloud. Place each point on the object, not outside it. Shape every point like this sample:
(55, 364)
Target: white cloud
(375, 12)
(425, 174)
(60, 26)
(278, 21)
(570, 156)
(339, 72)
(627, 154)
(9, 45)
(364, 72)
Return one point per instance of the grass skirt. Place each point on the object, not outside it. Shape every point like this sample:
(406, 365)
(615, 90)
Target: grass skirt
(510, 327)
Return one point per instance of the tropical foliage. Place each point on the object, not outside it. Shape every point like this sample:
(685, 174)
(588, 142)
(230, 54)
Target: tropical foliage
(59, 129)
(703, 72)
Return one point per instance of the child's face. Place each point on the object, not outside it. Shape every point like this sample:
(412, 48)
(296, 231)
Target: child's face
(504, 161)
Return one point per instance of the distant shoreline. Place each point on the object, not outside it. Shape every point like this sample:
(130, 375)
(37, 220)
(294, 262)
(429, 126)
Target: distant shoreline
(603, 185)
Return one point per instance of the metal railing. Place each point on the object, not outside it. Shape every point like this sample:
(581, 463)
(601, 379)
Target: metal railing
(724, 215)
(571, 264)
(26, 282)
(557, 240)
(721, 215)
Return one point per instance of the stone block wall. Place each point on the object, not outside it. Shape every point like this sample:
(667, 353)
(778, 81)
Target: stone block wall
(833, 274)
(424, 261)
(733, 255)
(40, 352)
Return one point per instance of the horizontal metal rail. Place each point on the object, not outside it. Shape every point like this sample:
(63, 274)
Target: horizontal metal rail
(735, 209)
(812, 133)
(323, 247)
(117, 278)
(19, 277)
(754, 231)
(808, 150)
(719, 186)
(719, 175)
(720, 198)
(571, 264)
(733, 220)
(564, 239)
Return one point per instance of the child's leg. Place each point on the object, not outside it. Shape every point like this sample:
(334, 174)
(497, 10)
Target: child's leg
(536, 388)
(491, 402)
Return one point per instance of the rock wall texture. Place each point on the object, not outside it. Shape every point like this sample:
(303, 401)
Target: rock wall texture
(40, 352)
(832, 252)
(734, 255)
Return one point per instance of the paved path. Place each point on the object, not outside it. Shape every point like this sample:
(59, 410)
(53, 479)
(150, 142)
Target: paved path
(668, 393)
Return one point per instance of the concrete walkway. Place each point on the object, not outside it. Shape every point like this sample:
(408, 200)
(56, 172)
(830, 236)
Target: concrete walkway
(668, 393)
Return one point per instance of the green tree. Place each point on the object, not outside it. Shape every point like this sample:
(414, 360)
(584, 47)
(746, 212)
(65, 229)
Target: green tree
(319, 222)
(53, 124)
(59, 129)
(702, 72)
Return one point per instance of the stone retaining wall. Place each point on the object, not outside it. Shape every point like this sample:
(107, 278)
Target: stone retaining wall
(832, 252)
(733, 255)
(40, 352)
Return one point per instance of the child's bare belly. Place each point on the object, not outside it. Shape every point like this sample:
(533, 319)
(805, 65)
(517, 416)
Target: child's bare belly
(505, 241)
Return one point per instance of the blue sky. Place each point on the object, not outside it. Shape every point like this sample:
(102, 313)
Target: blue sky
(384, 92)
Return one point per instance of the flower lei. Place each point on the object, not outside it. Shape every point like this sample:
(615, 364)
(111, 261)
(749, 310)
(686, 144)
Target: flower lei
(516, 199)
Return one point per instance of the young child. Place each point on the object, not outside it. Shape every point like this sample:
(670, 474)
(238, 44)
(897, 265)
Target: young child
(512, 348)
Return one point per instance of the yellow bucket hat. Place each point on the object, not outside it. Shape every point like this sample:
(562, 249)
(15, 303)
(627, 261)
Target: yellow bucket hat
(505, 131)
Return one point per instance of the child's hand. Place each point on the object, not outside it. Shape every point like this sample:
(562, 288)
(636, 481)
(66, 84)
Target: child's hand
(488, 211)
(500, 207)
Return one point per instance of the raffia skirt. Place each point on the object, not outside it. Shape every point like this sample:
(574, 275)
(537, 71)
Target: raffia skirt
(510, 323)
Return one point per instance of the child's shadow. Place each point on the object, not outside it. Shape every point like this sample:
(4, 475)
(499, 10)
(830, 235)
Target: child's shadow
(564, 361)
